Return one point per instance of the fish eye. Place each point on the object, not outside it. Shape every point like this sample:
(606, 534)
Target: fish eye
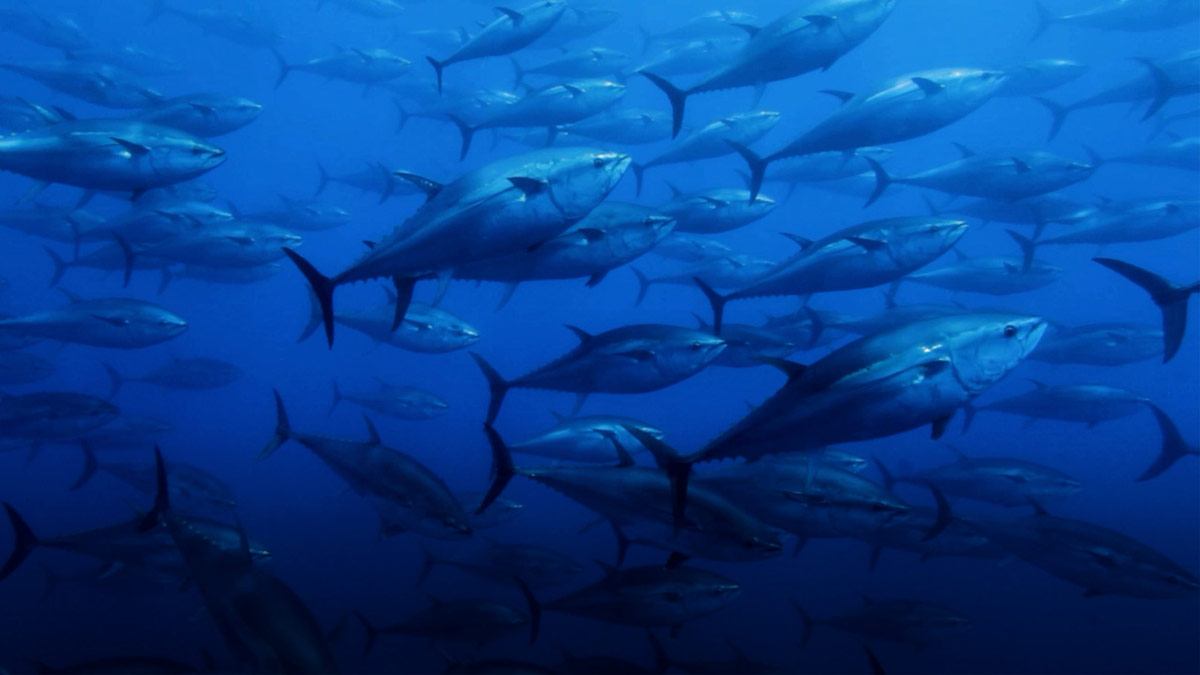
(1010, 330)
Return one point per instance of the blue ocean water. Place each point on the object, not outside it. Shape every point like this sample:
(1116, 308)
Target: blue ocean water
(324, 539)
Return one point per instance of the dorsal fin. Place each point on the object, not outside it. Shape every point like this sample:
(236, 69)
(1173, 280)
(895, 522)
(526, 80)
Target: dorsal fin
(839, 94)
(751, 30)
(928, 86)
(802, 242)
(675, 191)
(373, 436)
(580, 333)
(792, 369)
(964, 150)
(513, 14)
(1020, 165)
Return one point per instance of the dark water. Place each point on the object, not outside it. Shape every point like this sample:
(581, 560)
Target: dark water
(324, 540)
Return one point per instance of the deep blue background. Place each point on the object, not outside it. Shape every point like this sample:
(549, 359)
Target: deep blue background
(324, 540)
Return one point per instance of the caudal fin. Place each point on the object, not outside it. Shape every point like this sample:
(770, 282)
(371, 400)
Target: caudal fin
(60, 266)
(371, 633)
(337, 398)
(806, 622)
(1058, 115)
(284, 67)
(644, 284)
(757, 165)
(322, 179)
(944, 515)
(716, 300)
(1028, 249)
(675, 95)
(162, 493)
(24, 541)
(90, 465)
(115, 381)
(322, 288)
(437, 68)
(535, 609)
(882, 181)
(639, 175)
(467, 132)
(314, 318)
(127, 255)
(677, 467)
(1164, 88)
(1044, 20)
(1174, 447)
(1171, 299)
(497, 386)
(283, 428)
(503, 468)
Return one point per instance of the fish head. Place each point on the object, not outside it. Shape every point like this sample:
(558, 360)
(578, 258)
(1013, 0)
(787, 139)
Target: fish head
(581, 180)
(242, 110)
(984, 348)
(969, 87)
(157, 322)
(179, 154)
(713, 594)
(688, 352)
(922, 239)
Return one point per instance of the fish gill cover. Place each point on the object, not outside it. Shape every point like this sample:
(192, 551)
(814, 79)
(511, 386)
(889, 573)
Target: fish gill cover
(415, 336)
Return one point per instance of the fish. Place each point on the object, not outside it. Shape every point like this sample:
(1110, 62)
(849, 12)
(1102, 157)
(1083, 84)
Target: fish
(116, 323)
(50, 30)
(461, 621)
(597, 439)
(18, 114)
(1171, 300)
(425, 329)
(300, 214)
(813, 37)
(631, 359)
(635, 501)
(262, 621)
(715, 23)
(374, 9)
(1088, 404)
(623, 126)
(116, 155)
(1161, 81)
(612, 235)
(538, 566)
(866, 255)
(992, 275)
(19, 368)
(595, 62)
(53, 415)
(1100, 560)
(729, 271)
(368, 67)
(203, 115)
(713, 140)
(826, 166)
(1002, 177)
(1041, 76)
(501, 208)
(1122, 15)
(997, 480)
(576, 23)
(1144, 220)
(405, 403)
(691, 248)
(716, 211)
(748, 346)
(406, 494)
(189, 374)
(911, 106)
(98, 84)
(550, 107)
(129, 58)
(193, 488)
(906, 621)
(1180, 153)
(375, 177)
(694, 56)
(1100, 344)
(650, 596)
(507, 33)
(236, 27)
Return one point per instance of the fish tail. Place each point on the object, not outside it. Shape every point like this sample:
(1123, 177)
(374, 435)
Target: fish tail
(639, 175)
(115, 380)
(1174, 447)
(24, 541)
(371, 633)
(882, 181)
(1171, 300)
(428, 562)
(403, 113)
(969, 412)
(1044, 19)
(283, 428)
(944, 515)
(518, 73)
(1164, 88)
(885, 474)
(535, 609)
(677, 467)
(337, 397)
(322, 288)
(1058, 115)
(497, 387)
(757, 166)
(437, 68)
(90, 465)
(677, 97)
(1028, 249)
(285, 68)
(314, 318)
(164, 280)
(162, 494)
(716, 300)
(323, 180)
(128, 256)
(876, 665)
(662, 660)
(60, 266)
(467, 132)
(503, 468)
(644, 284)
(806, 622)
